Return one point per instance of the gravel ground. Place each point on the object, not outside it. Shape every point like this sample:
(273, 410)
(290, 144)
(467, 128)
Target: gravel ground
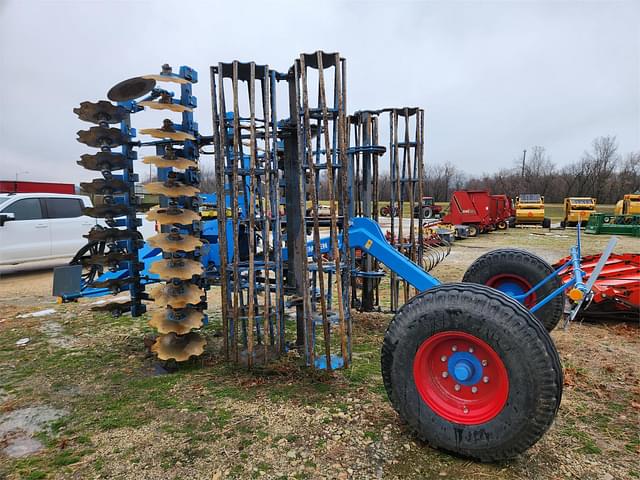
(113, 413)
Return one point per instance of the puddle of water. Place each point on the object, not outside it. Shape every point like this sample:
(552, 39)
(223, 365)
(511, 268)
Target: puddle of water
(40, 313)
(55, 332)
(29, 420)
(21, 446)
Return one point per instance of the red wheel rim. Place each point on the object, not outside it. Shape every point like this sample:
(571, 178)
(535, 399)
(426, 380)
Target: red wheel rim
(513, 285)
(467, 401)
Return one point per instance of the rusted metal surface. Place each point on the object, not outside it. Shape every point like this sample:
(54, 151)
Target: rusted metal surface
(321, 133)
(247, 188)
(402, 161)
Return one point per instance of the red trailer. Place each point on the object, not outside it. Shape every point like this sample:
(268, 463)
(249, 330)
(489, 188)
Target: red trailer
(470, 208)
(14, 186)
(501, 211)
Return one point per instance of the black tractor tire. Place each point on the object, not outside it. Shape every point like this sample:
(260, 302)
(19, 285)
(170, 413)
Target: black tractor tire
(473, 230)
(527, 267)
(427, 212)
(512, 223)
(91, 273)
(546, 223)
(533, 369)
(385, 211)
(502, 225)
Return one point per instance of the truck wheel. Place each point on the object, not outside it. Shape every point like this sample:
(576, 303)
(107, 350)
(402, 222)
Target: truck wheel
(427, 212)
(471, 371)
(515, 272)
(384, 211)
(473, 230)
(502, 225)
(546, 223)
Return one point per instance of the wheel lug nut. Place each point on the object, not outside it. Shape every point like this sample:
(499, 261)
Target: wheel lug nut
(454, 348)
(484, 363)
(485, 379)
(443, 358)
(445, 374)
(474, 389)
(470, 349)
(456, 387)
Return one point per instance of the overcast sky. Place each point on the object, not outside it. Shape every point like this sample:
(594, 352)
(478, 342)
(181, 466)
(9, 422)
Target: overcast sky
(493, 77)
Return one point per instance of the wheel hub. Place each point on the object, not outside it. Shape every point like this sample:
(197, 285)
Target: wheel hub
(461, 378)
(514, 286)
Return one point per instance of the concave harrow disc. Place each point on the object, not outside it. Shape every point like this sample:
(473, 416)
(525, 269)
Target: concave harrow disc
(172, 215)
(103, 161)
(118, 210)
(180, 268)
(171, 189)
(178, 347)
(176, 321)
(102, 137)
(176, 296)
(101, 112)
(101, 186)
(131, 88)
(170, 242)
(168, 162)
(174, 107)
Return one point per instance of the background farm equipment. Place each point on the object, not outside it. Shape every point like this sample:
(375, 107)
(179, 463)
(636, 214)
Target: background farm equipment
(470, 208)
(530, 210)
(616, 291)
(577, 210)
(428, 207)
(501, 211)
(459, 361)
(605, 223)
(629, 205)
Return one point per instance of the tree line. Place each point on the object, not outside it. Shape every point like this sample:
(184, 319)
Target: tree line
(602, 172)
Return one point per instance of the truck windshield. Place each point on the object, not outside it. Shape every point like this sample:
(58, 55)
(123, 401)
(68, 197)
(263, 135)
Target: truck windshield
(530, 198)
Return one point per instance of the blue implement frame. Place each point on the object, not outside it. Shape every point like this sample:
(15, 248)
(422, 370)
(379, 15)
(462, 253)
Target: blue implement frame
(364, 234)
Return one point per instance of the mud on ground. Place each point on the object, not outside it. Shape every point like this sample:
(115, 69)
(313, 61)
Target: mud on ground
(84, 399)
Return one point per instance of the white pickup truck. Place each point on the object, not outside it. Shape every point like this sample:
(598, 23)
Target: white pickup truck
(45, 226)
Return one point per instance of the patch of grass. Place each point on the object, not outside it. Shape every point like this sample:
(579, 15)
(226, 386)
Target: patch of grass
(35, 475)
(221, 416)
(588, 444)
(67, 457)
(374, 436)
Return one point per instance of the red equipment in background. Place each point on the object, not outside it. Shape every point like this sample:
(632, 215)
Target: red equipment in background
(470, 208)
(616, 293)
(501, 211)
(12, 186)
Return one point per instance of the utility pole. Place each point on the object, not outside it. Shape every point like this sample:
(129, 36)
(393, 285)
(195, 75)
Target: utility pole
(524, 155)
